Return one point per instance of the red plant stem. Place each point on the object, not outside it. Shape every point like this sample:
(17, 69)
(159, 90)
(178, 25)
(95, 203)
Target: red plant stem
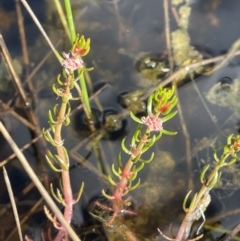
(126, 174)
(65, 175)
(185, 228)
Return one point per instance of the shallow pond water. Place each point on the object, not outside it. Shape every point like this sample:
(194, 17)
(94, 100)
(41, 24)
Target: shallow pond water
(128, 53)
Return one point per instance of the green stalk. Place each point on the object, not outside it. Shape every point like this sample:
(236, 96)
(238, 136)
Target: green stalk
(62, 17)
(85, 97)
(70, 20)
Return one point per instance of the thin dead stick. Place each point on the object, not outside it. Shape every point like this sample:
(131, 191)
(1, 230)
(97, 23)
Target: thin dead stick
(223, 215)
(16, 79)
(175, 14)
(167, 34)
(62, 17)
(31, 211)
(15, 212)
(11, 111)
(41, 145)
(80, 159)
(187, 143)
(40, 28)
(194, 66)
(183, 70)
(222, 231)
(233, 233)
(205, 105)
(40, 64)
(5, 161)
(22, 33)
(38, 184)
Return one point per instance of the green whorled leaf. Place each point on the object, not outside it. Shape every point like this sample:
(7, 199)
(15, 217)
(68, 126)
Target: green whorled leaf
(229, 139)
(148, 160)
(66, 121)
(136, 158)
(119, 159)
(145, 149)
(86, 51)
(170, 133)
(55, 89)
(133, 176)
(226, 150)
(87, 69)
(124, 147)
(72, 83)
(229, 163)
(203, 172)
(170, 92)
(133, 142)
(79, 193)
(66, 155)
(75, 43)
(185, 201)
(48, 137)
(106, 195)
(52, 126)
(75, 98)
(192, 204)
(174, 101)
(62, 163)
(215, 156)
(53, 194)
(171, 106)
(159, 135)
(59, 80)
(149, 143)
(50, 118)
(81, 41)
(116, 173)
(135, 186)
(137, 133)
(59, 195)
(51, 164)
(140, 167)
(169, 116)
(68, 109)
(111, 180)
(55, 110)
(214, 180)
(136, 119)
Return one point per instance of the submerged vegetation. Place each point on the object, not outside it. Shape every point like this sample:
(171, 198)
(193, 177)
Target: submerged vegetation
(114, 214)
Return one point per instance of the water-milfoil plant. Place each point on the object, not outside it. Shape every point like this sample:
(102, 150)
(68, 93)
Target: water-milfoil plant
(57, 118)
(201, 200)
(149, 129)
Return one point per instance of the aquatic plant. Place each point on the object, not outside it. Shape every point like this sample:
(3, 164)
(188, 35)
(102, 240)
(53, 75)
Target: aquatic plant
(149, 130)
(159, 110)
(229, 155)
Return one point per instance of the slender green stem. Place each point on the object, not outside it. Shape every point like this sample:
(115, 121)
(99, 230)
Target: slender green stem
(70, 20)
(85, 97)
(62, 17)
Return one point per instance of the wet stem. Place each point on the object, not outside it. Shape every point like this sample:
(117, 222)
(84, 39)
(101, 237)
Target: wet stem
(65, 175)
(126, 173)
(205, 188)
